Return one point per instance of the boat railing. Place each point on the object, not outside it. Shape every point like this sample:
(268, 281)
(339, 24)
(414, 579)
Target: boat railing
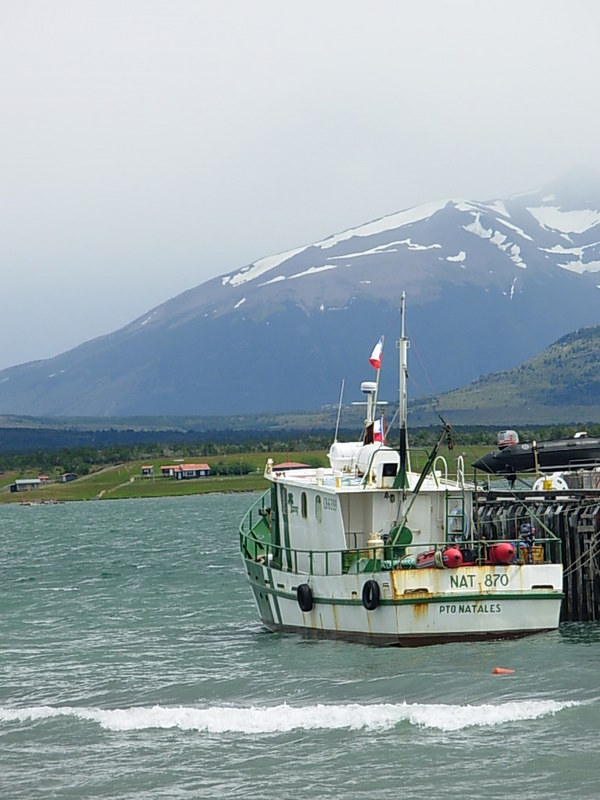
(440, 471)
(476, 547)
(440, 465)
(382, 558)
(255, 527)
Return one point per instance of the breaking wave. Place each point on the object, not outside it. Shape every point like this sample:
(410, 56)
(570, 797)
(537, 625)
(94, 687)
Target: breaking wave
(283, 718)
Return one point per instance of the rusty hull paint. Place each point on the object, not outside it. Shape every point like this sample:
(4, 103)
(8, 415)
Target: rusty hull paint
(433, 582)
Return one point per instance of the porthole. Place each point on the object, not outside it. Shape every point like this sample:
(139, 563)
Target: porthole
(318, 508)
(304, 505)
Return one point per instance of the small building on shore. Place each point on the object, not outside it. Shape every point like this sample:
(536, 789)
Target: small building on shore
(25, 484)
(185, 471)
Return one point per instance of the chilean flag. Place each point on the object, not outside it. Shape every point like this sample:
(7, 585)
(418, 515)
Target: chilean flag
(379, 430)
(375, 360)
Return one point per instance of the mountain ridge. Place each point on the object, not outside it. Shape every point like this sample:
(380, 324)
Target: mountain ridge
(488, 285)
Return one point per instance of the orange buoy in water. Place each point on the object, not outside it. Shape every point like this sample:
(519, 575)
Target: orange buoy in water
(502, 671)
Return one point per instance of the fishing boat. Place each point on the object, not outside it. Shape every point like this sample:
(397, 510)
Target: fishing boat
(369, 550)
(512, 456)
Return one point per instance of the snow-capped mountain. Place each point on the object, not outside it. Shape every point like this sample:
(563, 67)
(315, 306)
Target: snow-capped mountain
(489, 284)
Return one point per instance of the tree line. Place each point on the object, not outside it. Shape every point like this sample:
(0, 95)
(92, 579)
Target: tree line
(89, 458)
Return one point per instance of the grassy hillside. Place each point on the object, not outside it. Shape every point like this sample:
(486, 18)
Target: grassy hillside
(560, 385)
(125, 480)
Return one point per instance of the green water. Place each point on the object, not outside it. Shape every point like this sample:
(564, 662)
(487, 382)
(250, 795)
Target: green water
(133, 665)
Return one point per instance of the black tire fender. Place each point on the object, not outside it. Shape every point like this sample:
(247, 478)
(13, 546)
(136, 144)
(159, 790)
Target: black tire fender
(370, 595)
(304, 597)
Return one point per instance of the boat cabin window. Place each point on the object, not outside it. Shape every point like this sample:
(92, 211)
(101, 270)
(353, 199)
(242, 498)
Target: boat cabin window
(304, 505)
(318, 508)
(389, 470)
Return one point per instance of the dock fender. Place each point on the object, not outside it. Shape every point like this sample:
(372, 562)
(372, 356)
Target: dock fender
(304, 597)
(370, 595)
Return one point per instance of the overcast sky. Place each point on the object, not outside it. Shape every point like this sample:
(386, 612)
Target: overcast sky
(149, 145)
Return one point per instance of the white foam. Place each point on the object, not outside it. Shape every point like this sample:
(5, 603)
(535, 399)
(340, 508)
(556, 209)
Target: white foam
(283, 718)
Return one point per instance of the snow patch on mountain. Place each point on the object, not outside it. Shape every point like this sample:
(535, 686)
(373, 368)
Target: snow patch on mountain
(515, 255)
(498, 239)
(558, 248)
(391, 222)
(415, 246)
(313, 270)
(467, 205)
(499, 208)
(373, 251)
(460, 257)
(554, 218)
(147, 319)
(477, 228)
(276, 279)
(511, 290)
(581, 267)
(259, 267)
(516, 229)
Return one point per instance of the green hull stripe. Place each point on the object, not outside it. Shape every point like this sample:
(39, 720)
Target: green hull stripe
(275, 594)
(411, 601)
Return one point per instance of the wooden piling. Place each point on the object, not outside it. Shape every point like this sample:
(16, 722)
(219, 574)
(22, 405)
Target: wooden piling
(574, 518)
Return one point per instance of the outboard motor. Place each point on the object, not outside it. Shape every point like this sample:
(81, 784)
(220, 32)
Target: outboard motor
(505, 438)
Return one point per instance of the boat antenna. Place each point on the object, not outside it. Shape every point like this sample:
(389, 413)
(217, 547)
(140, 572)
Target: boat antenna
(402, 405)
(337, 422)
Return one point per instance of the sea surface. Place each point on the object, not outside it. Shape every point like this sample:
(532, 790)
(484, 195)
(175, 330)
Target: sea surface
(133, 665)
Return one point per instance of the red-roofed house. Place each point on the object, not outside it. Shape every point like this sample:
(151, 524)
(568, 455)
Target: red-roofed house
(185, 471)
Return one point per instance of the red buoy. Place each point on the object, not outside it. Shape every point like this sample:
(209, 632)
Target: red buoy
(452, 558)
(502, 671)
(502, 553)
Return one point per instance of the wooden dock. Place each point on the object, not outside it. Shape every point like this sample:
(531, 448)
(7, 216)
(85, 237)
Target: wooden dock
(573, 516)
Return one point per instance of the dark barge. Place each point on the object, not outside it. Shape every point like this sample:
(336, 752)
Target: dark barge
(579, 452)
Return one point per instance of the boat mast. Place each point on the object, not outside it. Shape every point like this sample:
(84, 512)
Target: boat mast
(337, 422)
(402, 405)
